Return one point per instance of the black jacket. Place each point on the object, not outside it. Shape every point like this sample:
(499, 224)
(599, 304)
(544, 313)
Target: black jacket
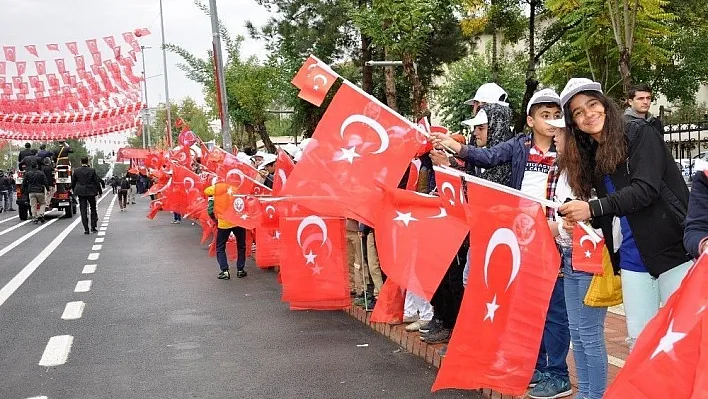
(630, 116)
(85, 182)
(25, 152)
(34, 181)
(49, 173)
(6, 184)
(697, 219)
(652, 194)
(28, 161)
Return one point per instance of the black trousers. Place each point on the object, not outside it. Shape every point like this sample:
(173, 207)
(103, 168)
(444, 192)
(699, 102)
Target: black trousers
(447, 299)
(84, 202)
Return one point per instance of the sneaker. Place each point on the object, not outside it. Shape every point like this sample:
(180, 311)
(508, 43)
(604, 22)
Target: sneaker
(410, 319)
(11, 210)
(417, 325)
(536, 378)
(41, 219)
(431, 326)
(370, 304)
(86, 232)
(359, 300)
(241, 273)
(175, 222)
(225, 275)
(35, 221)
(443, 351)
(440, 336)
(94, 230)
(551, 387)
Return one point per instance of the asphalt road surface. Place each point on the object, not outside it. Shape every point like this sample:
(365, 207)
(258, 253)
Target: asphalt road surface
(136, 311)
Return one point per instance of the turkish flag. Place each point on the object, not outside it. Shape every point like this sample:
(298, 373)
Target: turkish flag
(189, 180)
(268, 248)
(53, 47)
(34, 81)
(237, 209)
(128, 37)
(61, 66)
(32, 49)
(412, 252)
(669, 358)
(357, 142)
(9, 53)
(155, 207)
(41, 67)
(413, 175)
(284, 165)
(110, 41)
(21, 67)
(316, 85)
(426, 145)
(313, 264)
(80, 63)
(141, 32)
(96, 58)
(73, 48)
(587, 254)
(16, 81)
(92, 46)
(450, 185)
(300, 79)
(514, 266)
(389, 304)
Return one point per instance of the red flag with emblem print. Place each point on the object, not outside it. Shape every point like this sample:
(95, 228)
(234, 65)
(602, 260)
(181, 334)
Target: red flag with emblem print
(41, 67)
(514, 267)
(140, 32)
(110, 41)
(587, 253)
(32, 49)
(61, 66)
(3, 68)
(73, 48)
(405, 217)
(314, 271)
(21, 67)
(9, 53)
(92, 46)
(300, 78)
(317, 83)
(237, 209)
(358, 141)
(284, 165)
(669, 357)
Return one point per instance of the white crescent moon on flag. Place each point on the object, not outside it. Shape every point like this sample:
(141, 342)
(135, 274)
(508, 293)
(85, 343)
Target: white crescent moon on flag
(506, 237)
(321, 77)
(235, 172)
(188, 179)
(383, 135)
(443, 213)
(447, 184)
(312, 220)
(270, 215)
(283, 176)
(587, 237)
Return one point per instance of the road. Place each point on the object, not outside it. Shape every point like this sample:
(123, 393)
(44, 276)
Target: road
(136, 311)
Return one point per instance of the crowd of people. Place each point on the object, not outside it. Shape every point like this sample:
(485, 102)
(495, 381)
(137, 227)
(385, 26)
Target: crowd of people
(609, 168)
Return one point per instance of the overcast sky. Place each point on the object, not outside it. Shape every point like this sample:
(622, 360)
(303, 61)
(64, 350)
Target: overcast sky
(59, 21)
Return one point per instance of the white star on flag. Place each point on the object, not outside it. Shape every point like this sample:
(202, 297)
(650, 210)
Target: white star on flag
(229, 191)
(316, 269)
(244, 217)
(348, 155)
(667, 342)
(316, 87)
(491, 309)
(276, 236)
(405, 218)
(310, 258)
(588, 254)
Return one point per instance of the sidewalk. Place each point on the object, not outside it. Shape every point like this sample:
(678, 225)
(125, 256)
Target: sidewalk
(615, 334)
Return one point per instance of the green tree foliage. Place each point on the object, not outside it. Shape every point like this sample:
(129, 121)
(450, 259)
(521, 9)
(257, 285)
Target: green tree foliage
(463, 79)
(79, 149)
(196, 117)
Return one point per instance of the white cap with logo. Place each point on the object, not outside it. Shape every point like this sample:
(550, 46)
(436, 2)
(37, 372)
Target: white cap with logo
(575, 86)
(490, 93)
(543, 96)
(479, 119)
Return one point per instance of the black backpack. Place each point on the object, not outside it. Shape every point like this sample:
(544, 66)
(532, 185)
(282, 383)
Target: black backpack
(124, 184)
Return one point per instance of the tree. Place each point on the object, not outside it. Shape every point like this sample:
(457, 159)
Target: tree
(79, 151)
(194, 116)
(463, 79)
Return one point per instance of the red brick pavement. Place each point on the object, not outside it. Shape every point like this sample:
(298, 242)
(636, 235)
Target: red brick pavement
(615, 334)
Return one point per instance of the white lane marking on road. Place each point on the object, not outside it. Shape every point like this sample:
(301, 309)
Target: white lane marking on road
(38, 397)
(57, 351)
(93, 256)
(104, 225)
(615, 361)
(101, 233)
(103, 228)
(83, 286)
(89, 269)
(23, 275)
(96, 247)
(17, 226)
(73, 310)
(99, 240)
(24, 238)
(8, 219)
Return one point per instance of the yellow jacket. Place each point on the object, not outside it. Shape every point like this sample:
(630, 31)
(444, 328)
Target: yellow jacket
(222, 224)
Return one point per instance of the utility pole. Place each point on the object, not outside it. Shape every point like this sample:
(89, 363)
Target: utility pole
(167, 86)
(146, 129)
(220, 83)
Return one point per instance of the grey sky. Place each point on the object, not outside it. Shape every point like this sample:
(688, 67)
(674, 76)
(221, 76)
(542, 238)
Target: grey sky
(58, 21)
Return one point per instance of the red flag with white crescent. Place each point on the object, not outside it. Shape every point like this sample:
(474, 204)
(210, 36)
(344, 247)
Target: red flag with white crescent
(317, 83)
(587, 253)
(284, 165)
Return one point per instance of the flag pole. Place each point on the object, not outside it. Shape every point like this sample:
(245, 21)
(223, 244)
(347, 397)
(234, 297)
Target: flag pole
(220, 80)
(167, 86)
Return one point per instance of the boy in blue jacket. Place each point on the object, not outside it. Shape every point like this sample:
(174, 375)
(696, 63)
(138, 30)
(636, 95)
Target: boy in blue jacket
(533, 171)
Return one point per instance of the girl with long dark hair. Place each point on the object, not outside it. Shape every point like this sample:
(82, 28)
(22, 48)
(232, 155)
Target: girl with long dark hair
(629, 185)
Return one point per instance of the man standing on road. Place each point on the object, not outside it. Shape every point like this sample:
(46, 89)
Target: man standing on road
(12, 193)
(133, 177)
(6, 187)
(86, 185)
(35, 184)
(48, 170)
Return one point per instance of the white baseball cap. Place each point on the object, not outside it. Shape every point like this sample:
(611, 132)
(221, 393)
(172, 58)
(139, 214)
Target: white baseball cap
(490, 93)
(543, 96)
(267, 160)
(479, 119)
(260, 154)
(560, 123)
(575, 86)
(290, 148)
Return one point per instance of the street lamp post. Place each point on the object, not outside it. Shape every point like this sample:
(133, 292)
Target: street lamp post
(146, 129)
(221, 84)
(167, 88)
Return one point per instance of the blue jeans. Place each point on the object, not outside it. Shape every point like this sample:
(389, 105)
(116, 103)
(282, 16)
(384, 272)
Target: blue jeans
(176, 217)
(587, 332)
(5, 197)
(222, 236)
(555, 343)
